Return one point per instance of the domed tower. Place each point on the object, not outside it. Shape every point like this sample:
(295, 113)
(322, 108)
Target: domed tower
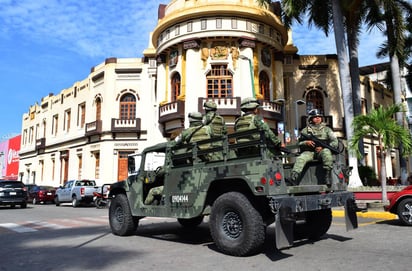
(223, 50)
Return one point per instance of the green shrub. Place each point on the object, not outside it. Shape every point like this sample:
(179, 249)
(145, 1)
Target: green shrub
(368, 176)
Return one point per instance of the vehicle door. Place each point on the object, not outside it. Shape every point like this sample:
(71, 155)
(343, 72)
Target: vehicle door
(66, 192)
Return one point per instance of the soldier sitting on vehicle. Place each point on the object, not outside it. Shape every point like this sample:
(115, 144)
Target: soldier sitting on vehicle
(249, 121)
(156, 191)
(311, 151)
(217, 126)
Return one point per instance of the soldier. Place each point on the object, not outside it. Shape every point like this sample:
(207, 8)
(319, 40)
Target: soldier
(212, 118)
(250, 120)
(309, 149)
(195, 132)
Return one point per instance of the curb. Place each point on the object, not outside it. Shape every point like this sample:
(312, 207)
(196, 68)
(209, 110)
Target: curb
(367, 214)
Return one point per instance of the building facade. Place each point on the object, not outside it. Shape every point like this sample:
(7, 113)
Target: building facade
(199, 50)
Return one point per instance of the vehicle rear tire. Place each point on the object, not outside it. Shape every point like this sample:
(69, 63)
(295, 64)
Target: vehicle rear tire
(75, 202)
(316, 224)
(121, 221)
(237, 228)
(404, 211)
(190, 222)
(23, 205)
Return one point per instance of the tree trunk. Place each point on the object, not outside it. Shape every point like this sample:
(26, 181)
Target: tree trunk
(383, 176)
(344, 74)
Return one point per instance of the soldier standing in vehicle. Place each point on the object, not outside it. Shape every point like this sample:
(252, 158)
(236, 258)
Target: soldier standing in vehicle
(217, 125)
(309, 149)
(250, 120)
(213, 119)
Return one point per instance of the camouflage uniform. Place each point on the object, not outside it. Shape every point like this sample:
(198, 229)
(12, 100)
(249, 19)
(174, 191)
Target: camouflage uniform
(322, 132)
(217, 125)
(249, 120)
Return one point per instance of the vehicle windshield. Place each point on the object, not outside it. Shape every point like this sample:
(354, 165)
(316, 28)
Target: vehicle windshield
(11, 184)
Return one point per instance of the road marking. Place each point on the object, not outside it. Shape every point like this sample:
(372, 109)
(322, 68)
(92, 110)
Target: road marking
(16, 227)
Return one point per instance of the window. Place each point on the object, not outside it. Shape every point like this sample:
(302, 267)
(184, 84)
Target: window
(175, 86)
(128, 107)
(219, 82)
(218, 23)
(177, 30)
(314, 100)
(364, 107)
(203, 24)
(67, 117)
(55, 124)
(264, 85)
(81, 115)
(234, 23)
(189, 26)
(98, 109)
(261, 29)
(31, 134)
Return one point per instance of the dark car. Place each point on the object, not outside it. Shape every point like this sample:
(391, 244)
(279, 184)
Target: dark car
(401, 204)
(13, 193)
(41, 194)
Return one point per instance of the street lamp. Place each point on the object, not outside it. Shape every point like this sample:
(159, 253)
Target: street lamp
(298, 102)
(252, 80)
(283, 102)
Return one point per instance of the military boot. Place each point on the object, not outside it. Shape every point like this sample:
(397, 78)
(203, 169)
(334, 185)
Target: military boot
(294, 177)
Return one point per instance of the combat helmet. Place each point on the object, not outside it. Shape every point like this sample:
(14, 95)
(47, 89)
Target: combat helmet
(249, 103)
(314, 113)
(210, 105)
(195, 116)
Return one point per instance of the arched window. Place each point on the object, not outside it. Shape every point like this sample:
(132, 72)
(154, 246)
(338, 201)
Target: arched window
(175, 86)
(98, 108)
(264, 85)
(127, 107)
(314, 100)
(219, 82)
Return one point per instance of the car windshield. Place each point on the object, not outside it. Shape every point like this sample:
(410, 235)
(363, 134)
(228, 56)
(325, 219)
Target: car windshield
(46, 187)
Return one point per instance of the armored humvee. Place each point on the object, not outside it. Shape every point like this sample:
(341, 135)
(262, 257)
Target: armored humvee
(242, 187)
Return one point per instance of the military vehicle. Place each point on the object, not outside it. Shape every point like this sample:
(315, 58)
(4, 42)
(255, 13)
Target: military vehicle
(242, 188)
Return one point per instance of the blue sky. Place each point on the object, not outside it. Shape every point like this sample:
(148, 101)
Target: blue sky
(47, 45)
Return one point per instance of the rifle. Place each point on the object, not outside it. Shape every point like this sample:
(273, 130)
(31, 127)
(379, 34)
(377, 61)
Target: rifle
(319, 142)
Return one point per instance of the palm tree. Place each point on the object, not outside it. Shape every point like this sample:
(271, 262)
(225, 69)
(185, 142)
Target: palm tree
(379, 125)
(390, 13)
(321, 13)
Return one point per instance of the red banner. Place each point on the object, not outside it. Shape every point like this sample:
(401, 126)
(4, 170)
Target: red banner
(12, 168)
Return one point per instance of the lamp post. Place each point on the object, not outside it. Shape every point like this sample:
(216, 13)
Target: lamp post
(252, 80)
(283, 102)
(298, 102)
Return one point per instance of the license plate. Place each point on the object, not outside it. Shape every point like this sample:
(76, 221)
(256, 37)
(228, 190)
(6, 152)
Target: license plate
(13, 193)
(49, 194)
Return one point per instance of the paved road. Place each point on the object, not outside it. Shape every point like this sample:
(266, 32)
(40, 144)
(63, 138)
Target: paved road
(64, 238)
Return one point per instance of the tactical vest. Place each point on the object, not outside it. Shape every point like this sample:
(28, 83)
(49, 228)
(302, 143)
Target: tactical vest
(217, 124)
(200, 134)
(244, 123)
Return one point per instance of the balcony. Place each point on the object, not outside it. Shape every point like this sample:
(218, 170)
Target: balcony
(40, 145)
(126, 126)
(271, 111)
(172, 117)
(93, 128)
(225, 106)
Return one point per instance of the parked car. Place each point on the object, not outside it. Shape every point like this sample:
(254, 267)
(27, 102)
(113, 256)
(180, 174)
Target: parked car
(41, 194)
(76, 192)
(13, 193)
(401, 204)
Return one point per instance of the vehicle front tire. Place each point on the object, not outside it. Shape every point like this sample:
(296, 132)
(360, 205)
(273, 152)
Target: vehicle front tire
(121, 221)
(56, 201)
(237, 228)
(404, 211)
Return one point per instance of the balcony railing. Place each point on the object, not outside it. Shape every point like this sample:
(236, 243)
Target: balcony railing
(126, 125)
(229, 106)
(93, 128)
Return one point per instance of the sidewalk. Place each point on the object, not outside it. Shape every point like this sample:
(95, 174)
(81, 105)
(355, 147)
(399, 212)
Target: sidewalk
(374, 210)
